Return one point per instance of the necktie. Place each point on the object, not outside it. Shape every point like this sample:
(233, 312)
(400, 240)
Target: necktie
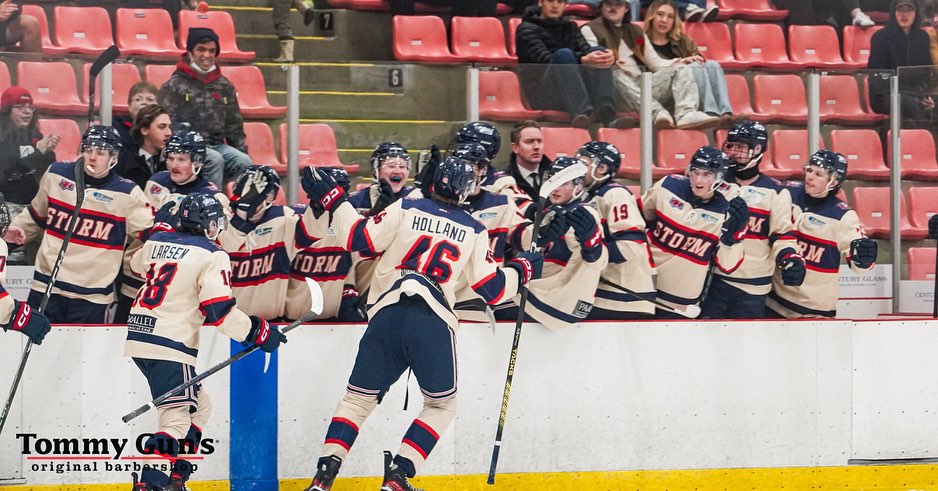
(536, 179)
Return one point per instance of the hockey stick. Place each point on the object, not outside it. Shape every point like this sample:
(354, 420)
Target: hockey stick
(70, 227)
(691, 311)
(934, 295)
(315, 294)
(564, 176)
(104, 59)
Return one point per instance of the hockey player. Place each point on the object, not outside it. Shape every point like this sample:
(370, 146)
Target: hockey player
(574, 255)
(826, 229)
(390, 166)
(630, 263)
(769, 243)
(495, 181)
(427, 246)
(323, 258)
(19, 316)
(187, 285)
(114, 212)
(691, 226)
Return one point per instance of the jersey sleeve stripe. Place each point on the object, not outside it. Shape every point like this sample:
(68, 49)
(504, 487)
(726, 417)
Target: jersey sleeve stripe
(302, 237)
(161, 341)
(359, 240)
(216, 309)
(492, 287)
(86, 212)
(40, 220)
(547, 309)
(72, 288)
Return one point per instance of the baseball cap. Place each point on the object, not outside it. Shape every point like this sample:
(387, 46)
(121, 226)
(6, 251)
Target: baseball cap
(15, 95)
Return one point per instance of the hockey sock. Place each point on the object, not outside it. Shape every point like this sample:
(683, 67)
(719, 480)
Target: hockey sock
(182, 469)
(416, 446)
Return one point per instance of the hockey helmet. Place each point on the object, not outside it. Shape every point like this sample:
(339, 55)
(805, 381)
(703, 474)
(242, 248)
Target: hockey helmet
(834, 163)
(339, 175)
(453, 178)
(201, 213)
(710, 159)
(189, 143)
(482, 133)
(101, 136)
(749, 133)
(561, 163)
(601, 153)
(385, 151)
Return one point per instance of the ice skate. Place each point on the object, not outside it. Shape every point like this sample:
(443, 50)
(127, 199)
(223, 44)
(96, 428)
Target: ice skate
(327, 469)
(394, 478)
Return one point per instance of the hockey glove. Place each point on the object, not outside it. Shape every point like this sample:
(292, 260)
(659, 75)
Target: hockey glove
(424, 178)
(735, 224)
(264, 335)
(863, 252)
(553, 231)
(164, 221)
(250, 192)
(29, 322)
(585, 228)
(349, 310)
(385, 198)
(933, 227)
(792, 265)
(530, 212)
(528, 264)
(321, 189)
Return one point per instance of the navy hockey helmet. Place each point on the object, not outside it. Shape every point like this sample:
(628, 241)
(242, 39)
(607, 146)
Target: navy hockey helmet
(453, 178)
(190, 143)
(834, 163)
(710, 159)
(385, 151)
(101, 136)
(339, 175)
(476, 155)
(482, 133)
(201, 213)
(600, 153)
(749, 133)
(561, 163)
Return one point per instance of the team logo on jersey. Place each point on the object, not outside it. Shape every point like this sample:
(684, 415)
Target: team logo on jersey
(753, 195)
(141, 323)
(676, 203)
(156, 189)
(487, 215)
(263, 231)
(690, 217)
(582, 309)
(843, 206)
(101, 197)
(67, 185)
(709, 218)
(815, 221)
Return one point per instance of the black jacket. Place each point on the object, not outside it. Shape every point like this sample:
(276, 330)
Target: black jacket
(892, 48)
(130, 164)
(521, 179)
(537, 39)
(19, 175)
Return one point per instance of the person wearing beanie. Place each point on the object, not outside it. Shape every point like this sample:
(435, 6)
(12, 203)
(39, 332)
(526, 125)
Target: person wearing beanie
(902, 43)
(197, 93)
(281, 18)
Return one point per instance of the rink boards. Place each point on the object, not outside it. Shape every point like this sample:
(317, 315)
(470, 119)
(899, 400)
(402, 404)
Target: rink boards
(681, 405)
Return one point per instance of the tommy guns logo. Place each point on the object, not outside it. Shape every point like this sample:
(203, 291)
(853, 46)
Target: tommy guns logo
(35, 447)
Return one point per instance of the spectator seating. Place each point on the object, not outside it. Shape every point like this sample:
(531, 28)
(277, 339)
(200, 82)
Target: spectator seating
(738, 89)
(222, 24)
(4, 77)
(814, 46)
(788, 153)
(840, 101)
(762, 46)
(628, 141)
(857, 45)
(317, 147)
(563, 141)
(779, 99)
(872, 206)
(123, 77)
(40, 14)
(512, 28)
(53, 86)
(158, 74)
(750, 9)
(422, 38)
(69, 136)
(863, 150)
(714, 42)
(917, 155)
(675, 148)
(146, 32)
(923, 204)
(480, 39)
(500, 97)
(260, 142)
(922, 263)
(85, 30)
(252, 94)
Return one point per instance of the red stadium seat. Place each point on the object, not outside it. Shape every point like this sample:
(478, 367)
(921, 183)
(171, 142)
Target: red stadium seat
(123, 77)
(750, 9)
(422, 38)
(917, 154)
(675, 149)
(53, 86)
(738, 88)
(82, 29)
(317, 147)
(146, 32)
(69, 136)
(563, 141)
(840, 101)
(714, 42)
(779, 99)
(40, 14)
(629, 142)
(385, 6)
(158, 74)
(512, 28)
(762, 45)
(252, 94)
(500, 97)
(4, 77)
(788, 152)
(480, 39)
(872, 206)
(923, 203)
(260, 142)
(857, 45)
(864, 152)
(922, 263)
(221, 23)
(814, 46)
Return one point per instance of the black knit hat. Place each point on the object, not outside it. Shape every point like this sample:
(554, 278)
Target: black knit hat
(201, 34)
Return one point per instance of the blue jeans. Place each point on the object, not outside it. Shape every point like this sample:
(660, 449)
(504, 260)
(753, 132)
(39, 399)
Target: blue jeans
(711, 83)
(224, 161)
(680, 4)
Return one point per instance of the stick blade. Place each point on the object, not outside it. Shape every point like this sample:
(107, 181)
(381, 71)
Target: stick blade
(691, 312)
(564, 176)
(315, 296)
(104, 59)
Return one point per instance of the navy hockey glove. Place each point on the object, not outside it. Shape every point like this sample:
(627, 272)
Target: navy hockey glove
(863, 252)
(424, 177)
(933, 227)
(349, 310)
(164, 221)
(553, 231)
(262, 334)
(323, 192)
(792, 265)
(250, 192)
(385, 198)
(528, 264)
(735, 224)
(585, 228)
(29, 322)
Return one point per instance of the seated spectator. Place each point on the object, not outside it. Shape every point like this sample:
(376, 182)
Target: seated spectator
(902, 43)
(479, 8)
(281, 18)
(837, 13)
(141, 94)
(544, 37)
(670, 84)
(18, 28)
(692, 10)
(665, 31)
